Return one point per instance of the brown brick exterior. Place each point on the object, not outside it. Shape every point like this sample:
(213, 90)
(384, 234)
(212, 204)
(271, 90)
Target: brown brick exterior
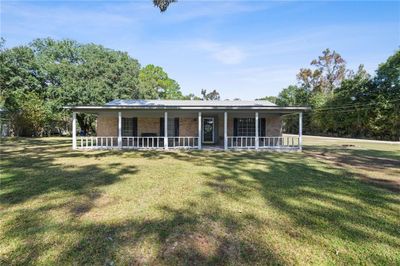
(274, 125)
(188, 127)
(107, 126)
(148, 125)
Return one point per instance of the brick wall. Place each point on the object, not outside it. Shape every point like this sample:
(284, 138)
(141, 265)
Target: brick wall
(274, 125)
(188, 127)
(107, 126)
(148, 125)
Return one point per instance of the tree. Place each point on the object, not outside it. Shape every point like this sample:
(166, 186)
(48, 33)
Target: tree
(163, 4)
(294, 96)
(387, 97)
(30, 114)
(329, 73)
(344, 114)
(191, 96)
(212, 96)
(66, 72)
(271, 99)
(154, 83)
(79, 74)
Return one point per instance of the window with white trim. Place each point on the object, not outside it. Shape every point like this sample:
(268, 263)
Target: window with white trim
(246, 127)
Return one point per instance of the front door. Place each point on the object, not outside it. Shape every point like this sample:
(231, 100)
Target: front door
(208, 130)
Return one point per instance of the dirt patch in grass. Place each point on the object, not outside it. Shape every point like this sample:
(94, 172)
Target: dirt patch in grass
(377, 171)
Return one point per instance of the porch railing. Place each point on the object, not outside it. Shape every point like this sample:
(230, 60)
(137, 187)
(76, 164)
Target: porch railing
(241, 142)
(234, 142)
(246, 142)
(142, 142)
(111, 142)
(279, 142)
(183, 142)
(97, 142)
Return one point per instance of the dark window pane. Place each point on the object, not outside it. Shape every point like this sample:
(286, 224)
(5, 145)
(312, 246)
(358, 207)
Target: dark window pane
(246, 127)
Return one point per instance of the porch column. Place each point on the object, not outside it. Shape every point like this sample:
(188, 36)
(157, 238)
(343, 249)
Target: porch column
(74, 131)
(256, 140)
(119, 130)
(225, 130)
(300, 130)
(166, 130)
(199, 124)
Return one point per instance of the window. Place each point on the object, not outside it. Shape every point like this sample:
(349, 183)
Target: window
(127, 126)
(171, 127)
(246, 127)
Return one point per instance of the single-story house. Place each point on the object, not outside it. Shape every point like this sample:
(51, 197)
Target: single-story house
(189, 124)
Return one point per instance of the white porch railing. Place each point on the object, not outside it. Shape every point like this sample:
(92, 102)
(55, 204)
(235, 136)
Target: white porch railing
(97, 142)
(137, 142)
(241, 142)
(237, 142)
(279, 142)
(183, 142)
(245, 142)
(142, 142)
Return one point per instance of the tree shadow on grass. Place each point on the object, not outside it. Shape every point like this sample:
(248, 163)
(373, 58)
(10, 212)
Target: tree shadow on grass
(323, 201)
(182, 236)
(35, 171)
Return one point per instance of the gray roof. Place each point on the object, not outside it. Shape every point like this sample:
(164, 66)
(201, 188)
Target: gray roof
(188, 103)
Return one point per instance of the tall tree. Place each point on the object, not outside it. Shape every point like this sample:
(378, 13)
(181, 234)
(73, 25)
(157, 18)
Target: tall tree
(211, 96)
(66, 72)
(387, 95)
(329, 71)
(84, 74)
(155, 83)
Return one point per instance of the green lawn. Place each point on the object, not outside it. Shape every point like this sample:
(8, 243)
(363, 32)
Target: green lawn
(331, 204)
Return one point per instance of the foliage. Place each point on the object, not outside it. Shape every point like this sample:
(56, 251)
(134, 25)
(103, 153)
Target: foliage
(330, 71)
(345, 103)
(66, 72)
(271, 99)
(211, 96)
(155, 83)
(191, 96)
(31, 114)
(163, 4)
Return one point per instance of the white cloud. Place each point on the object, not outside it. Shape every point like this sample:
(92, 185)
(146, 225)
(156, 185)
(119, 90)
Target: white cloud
(223, 53)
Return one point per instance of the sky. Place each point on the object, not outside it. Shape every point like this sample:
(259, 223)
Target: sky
(243, 49)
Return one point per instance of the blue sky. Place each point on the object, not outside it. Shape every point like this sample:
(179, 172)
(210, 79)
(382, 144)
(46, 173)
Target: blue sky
(244, 49)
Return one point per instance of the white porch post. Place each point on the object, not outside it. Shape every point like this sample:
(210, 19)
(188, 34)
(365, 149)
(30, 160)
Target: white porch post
(300, 130)
(256, 140)
(119, 130)
(199, 126)
(74, 131)
(225, 130)
(166, 130)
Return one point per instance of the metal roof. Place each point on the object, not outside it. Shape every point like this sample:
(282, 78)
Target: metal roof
(187, 103)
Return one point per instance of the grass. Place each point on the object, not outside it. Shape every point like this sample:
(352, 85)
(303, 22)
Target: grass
(331, 204)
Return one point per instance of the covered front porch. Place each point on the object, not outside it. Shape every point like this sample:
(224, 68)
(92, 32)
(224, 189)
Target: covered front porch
(189, 129)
